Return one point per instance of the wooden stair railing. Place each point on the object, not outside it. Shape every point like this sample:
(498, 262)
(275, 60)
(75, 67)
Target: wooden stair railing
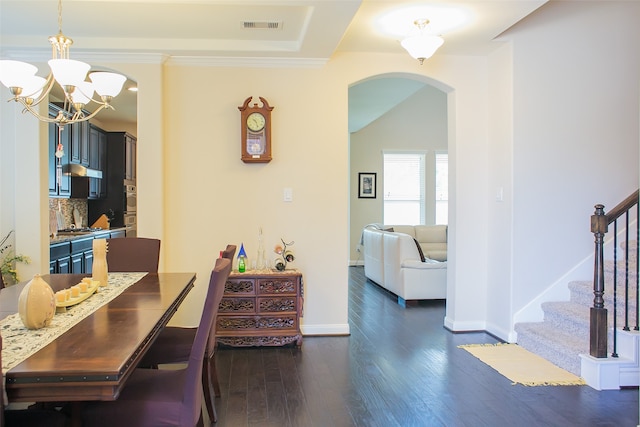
(598, 317)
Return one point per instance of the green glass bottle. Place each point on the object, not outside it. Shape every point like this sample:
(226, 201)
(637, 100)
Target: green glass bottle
(242, 259)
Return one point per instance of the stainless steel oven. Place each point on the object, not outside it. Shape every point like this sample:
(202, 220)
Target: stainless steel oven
(131, 225)
(130, 197)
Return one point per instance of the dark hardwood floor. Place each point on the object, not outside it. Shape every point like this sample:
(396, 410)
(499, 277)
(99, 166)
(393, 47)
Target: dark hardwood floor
(399, 367)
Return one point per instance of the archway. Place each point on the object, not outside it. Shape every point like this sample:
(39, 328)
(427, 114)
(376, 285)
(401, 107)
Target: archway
(399, 112)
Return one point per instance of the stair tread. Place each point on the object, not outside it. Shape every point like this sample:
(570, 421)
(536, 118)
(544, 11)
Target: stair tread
(550, 333)
(560, 348)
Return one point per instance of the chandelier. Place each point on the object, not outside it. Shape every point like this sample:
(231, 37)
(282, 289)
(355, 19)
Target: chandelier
(30, 90)
(422, 45)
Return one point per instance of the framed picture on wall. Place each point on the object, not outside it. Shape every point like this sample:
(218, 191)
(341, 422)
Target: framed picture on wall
(367, 185)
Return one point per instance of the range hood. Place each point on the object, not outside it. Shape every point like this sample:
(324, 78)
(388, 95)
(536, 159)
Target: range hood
(75, 169)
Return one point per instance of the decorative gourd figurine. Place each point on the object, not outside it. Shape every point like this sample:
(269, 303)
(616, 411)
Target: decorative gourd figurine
(36, 303)
(100, 267)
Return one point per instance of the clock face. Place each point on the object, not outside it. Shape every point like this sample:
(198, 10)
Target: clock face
(255, 122)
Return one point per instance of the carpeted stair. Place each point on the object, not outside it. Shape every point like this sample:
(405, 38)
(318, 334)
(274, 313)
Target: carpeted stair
(564, 333)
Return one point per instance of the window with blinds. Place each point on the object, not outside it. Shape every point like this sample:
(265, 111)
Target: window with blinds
(403, 188)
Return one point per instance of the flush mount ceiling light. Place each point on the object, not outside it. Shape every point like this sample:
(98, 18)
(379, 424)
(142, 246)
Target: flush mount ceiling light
(29, 89)
(421, 45)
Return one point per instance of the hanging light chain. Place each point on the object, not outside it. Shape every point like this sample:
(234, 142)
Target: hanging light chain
(60, 16)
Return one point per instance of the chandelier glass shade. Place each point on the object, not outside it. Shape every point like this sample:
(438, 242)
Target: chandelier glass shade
(422, 45)
(30, 90)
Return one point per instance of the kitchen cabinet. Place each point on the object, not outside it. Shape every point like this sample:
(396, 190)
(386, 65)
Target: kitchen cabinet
(121, 167)
(130, 157)
(79, 150)
(60, 258)
(60, 187)
(98, 161)
(76, 255)
(82, 255)
(84, 144)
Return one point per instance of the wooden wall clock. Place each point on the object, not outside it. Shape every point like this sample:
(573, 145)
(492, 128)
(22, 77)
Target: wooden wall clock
(255, 123)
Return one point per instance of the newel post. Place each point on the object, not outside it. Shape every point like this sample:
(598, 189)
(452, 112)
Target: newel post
(598, 319)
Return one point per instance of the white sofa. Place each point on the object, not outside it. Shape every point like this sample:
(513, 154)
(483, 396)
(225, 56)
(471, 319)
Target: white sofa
(392, 260)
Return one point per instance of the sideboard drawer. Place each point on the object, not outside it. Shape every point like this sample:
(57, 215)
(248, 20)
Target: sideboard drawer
(243, 324)
(237, 305)
(281, 285)
(240, 286)
(277, 304)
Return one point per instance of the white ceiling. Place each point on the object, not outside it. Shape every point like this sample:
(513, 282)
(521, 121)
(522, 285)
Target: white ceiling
(214, 32)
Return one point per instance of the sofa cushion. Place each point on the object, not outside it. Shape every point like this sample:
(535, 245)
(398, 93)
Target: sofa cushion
(435, 254)
(406, 229)
(431, 233)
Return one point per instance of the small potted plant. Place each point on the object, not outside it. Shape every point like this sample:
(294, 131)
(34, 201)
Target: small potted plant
(8, 260)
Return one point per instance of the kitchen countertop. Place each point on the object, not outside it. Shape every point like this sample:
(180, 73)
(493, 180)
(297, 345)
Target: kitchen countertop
(67, 237)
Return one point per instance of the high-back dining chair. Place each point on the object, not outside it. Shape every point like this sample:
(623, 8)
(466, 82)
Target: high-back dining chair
(229, 252)
(28, 417)
(165, 397)
(173, 344)
(126, 254)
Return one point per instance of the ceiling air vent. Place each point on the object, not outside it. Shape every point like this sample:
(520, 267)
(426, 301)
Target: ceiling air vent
(262, 25)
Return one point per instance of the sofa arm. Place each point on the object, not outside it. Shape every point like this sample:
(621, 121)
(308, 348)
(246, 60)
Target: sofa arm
(427, 265)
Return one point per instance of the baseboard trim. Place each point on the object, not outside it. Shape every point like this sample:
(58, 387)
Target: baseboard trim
(454, 326)
(332, 329)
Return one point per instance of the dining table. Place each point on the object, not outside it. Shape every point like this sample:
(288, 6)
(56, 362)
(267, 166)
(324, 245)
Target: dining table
(92, 359)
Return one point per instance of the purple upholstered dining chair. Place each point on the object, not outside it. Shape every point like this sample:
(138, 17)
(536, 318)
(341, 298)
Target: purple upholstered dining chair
(126, 254)
(164, 397)
(32, 417)
(173, 346)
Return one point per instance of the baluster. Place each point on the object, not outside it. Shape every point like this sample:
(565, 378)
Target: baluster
(626, 276)
(598, 314)
(615, 288)
(637, 255)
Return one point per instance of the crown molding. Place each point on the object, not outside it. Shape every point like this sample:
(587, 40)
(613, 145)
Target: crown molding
(43, 55)
(247, 62)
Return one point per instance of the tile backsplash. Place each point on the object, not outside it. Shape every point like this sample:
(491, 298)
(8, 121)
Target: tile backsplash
(66, 206)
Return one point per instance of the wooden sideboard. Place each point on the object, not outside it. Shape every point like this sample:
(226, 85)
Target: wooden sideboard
(261, 308)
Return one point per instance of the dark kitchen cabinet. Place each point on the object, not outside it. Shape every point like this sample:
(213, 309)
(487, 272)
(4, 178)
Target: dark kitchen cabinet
(59, 183)
(97, 161)
(121, 166)
(60, 258)
(79, 152)
(81, 251)
(130, 157)
(74, 257)
(84, 144)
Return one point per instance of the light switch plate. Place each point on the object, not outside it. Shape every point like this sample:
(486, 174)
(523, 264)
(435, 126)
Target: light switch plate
(288, 195)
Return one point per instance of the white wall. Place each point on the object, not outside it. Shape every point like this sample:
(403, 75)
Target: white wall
(500, 192)
(23, 159)
(418, 123)
(213, 198)
(576, 90)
